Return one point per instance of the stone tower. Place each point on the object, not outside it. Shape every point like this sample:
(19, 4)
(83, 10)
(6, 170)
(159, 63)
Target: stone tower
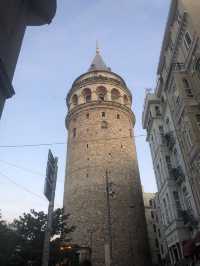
(102, 185)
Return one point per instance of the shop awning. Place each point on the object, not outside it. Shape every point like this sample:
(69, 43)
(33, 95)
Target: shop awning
(188, 248)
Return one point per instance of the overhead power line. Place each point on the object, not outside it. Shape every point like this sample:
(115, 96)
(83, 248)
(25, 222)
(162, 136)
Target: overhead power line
(56, 143)
(22, 168)
(20, 186)
(32, 145)
(33, 172)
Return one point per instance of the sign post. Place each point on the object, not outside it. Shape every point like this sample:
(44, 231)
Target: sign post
(49, 192)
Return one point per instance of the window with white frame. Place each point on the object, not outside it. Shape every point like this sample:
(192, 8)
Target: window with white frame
(177, 202)
(171, 45)
(161, 132)
(169, 206)
(187, 199)
(158, 176)
(157, 111)
(187, 40)
(176, 157)
(187, 88)
(198, 120)
(168, 162)
(197, 66)
(178, 17)
(166, 211)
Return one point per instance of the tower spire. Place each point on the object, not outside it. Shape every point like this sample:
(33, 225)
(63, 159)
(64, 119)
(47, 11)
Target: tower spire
(98, 63)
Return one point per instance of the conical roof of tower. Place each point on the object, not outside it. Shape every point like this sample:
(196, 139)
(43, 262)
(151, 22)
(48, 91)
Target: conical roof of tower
(98, 62)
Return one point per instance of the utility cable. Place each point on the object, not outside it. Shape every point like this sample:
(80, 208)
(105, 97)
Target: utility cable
(57, 205)
(22, 168)
(32, 145)
(35, 173)
(20, 186)
(59, 143)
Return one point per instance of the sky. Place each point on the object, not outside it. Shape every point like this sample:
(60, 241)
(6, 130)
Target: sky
(130, 35)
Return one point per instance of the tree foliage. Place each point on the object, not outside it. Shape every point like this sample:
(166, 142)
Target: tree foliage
(8, 240)
(21, 243)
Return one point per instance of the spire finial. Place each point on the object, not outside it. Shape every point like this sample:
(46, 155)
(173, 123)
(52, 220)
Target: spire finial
(97, 47)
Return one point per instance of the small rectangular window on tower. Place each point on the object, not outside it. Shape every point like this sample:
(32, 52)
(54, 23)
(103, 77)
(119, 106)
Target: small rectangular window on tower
(103, 114)
(118, 116)
(74, 132)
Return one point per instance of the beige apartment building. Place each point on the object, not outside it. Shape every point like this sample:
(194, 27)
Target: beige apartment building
(153, 228)
(171, 117)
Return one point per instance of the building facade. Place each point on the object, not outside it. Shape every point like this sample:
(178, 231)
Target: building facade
(102, 185)
(153, 227)
(15, 16)
(171, 117)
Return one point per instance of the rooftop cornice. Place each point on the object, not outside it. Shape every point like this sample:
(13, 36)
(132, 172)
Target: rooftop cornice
(78, 83)
(170, 19)
(151, 98)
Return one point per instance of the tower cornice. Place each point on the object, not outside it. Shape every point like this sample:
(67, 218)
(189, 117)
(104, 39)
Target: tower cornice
(80, 82)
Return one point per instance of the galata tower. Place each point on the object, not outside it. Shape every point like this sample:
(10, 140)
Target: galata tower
(103, 191)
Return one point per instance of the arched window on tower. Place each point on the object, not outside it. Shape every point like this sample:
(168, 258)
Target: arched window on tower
(115, 95)
(74, 99)
(87, 94)
(126, 99)
(101, 93)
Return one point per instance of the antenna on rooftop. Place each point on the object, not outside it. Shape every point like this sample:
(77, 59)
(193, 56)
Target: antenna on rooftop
(97, 47)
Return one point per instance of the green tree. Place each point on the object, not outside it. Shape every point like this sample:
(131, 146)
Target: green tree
(25, 244)
(8, 242)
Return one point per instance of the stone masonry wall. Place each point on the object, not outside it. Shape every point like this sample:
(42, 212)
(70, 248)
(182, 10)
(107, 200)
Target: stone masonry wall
(101, 138)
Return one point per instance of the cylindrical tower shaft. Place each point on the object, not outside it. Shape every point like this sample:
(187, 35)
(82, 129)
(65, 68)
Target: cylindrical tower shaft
(102, 189)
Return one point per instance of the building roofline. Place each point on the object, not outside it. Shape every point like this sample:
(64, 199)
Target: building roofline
(147, 103)
(170, 19)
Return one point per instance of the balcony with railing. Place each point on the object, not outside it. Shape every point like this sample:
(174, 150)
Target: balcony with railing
(177, 174)
(178, 67)
(188, 219)
(169, 140)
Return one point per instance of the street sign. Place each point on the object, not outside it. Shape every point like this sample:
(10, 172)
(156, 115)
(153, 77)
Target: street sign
(50, 176)
(49, 192)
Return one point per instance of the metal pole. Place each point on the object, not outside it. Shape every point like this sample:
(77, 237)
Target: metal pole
(108, 223)
(46, 251)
